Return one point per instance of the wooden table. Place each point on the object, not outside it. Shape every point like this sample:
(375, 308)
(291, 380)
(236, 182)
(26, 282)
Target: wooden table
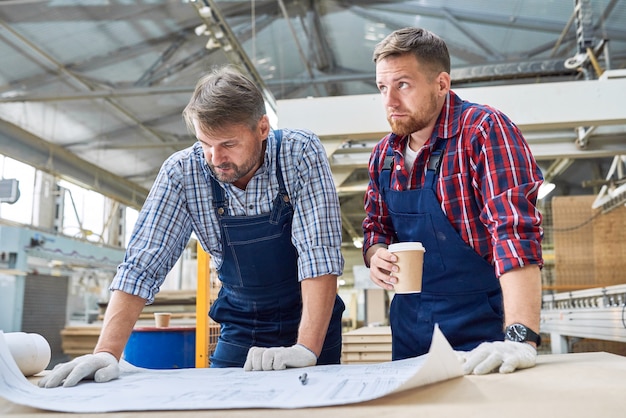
(561, 385)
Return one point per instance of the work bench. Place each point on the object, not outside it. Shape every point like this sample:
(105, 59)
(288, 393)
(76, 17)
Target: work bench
(561, 385)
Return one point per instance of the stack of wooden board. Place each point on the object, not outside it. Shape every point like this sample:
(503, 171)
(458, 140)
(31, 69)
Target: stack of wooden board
(180, 303)
(79, 340)
(366, 345)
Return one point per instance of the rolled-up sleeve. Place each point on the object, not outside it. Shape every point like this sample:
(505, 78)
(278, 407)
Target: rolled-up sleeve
(159, 237)
(316, 228)
(510, 180)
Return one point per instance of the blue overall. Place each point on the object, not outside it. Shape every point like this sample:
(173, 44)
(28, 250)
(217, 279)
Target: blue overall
(260, 302)
(460, 291)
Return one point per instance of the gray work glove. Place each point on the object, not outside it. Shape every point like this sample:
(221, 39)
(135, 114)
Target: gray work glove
(506, 356)
(279, 358)
(101, 367)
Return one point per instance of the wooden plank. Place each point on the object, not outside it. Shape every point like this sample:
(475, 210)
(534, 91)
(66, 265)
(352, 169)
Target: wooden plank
(368, 335)
(367, 357)
(79, 340)
(366, 347)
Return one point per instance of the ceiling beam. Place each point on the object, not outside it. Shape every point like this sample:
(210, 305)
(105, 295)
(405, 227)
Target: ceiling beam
(23, 146)
(47, 61)
(530, 23)
(497, 71)
(537, 107)
(548, 114)
(223, 35)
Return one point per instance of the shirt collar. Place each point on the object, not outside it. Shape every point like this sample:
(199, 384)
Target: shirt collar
(448, 124)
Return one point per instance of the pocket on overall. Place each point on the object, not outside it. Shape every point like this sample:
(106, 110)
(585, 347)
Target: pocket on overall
(420, 227)
(467, 320)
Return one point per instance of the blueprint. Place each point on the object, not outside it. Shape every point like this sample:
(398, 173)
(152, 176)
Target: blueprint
(140, 389)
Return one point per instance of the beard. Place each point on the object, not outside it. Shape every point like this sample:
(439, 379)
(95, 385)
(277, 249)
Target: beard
(415, 121)
(238, 171)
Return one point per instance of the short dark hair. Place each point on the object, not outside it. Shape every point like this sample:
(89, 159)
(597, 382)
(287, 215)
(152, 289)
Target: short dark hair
(222, 98)
(427, 47)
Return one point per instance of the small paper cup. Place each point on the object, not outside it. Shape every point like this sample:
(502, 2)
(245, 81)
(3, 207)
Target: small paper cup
(410, 266)
(162, 319)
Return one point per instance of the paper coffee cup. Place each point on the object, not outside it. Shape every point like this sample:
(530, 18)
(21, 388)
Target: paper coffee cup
(410, 266)
(162, 319)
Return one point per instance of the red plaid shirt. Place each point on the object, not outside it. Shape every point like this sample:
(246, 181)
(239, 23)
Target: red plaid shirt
(487, 185)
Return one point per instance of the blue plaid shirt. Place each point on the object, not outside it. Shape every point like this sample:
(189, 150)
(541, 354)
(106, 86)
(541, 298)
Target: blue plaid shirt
(168, 217)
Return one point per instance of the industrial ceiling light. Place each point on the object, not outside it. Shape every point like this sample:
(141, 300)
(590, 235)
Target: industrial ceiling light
(201, 30)
(212, 44)
(205, 11)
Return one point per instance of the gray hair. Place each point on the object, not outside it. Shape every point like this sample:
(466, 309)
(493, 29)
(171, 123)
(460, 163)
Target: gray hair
(428, 48)
(223, 98)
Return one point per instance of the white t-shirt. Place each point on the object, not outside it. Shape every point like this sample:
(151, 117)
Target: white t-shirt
(409, 157)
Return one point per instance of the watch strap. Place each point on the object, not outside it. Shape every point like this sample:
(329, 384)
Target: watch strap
(531, 335)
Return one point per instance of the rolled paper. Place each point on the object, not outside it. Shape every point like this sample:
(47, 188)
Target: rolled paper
(30, 351)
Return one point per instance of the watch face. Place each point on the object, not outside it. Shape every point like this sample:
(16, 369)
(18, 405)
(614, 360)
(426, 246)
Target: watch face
(516, 332)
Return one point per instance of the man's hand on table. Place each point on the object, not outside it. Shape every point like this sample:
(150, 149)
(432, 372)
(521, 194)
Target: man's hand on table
(101, 367)
(279, 358)
(505, 356)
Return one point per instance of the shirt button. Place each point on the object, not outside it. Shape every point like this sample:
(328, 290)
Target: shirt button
(398, 187)
(251, 207)
(398, 167)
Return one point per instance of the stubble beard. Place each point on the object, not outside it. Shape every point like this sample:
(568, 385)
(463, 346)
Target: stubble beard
(416, 121)
(238, 171)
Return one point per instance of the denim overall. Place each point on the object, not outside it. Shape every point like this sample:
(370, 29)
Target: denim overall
(460, 291)
(260, 302)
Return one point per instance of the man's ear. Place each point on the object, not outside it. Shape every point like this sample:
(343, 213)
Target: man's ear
(443, 80)
(263, 127)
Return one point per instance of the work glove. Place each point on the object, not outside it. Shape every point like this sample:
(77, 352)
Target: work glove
(279, 358)
(101, 367)
(506, 356)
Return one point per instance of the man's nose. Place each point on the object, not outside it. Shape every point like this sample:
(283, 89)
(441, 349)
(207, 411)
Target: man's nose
(216, 156)
(390, 99)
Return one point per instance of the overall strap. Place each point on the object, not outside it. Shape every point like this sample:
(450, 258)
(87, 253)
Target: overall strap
(282, 200)
(220, 206)
(385, 171)
(278, 134)
(434, 163)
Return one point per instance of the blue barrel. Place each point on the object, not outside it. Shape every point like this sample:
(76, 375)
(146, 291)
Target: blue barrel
(162, 348)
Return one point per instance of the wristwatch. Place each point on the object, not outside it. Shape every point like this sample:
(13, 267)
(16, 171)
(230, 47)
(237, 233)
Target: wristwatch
(520, 333)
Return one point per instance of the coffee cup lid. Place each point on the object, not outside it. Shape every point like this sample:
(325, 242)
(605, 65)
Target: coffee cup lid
(406, 246)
